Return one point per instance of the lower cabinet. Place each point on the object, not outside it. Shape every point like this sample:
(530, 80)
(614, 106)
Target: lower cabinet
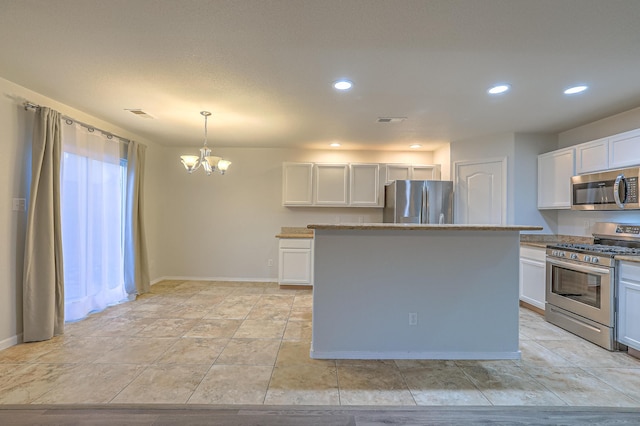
(629, 304)
(533, 276)
(295, 265)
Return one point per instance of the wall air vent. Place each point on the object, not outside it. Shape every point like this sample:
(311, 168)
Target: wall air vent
(139, 112)
(391, 120)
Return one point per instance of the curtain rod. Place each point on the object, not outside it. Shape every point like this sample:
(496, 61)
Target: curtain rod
(69, 120)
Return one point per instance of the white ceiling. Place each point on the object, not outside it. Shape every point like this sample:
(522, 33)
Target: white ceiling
(264, 68)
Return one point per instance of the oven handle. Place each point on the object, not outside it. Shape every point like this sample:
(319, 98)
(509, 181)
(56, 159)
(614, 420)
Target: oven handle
(616, 190)
(580, 268)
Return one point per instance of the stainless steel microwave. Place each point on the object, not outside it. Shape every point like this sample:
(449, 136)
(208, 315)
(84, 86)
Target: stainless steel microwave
(610, 190)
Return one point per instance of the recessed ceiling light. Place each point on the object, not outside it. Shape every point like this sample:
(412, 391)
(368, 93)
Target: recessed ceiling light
(415, 146)
(498, 89)
(335, 145)
(575, 89)
(342, 85)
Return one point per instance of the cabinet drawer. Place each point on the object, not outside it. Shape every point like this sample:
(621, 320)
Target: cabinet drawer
(295, 243)
(533, 253)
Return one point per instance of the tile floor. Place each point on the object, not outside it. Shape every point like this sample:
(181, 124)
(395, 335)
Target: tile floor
(191, 342)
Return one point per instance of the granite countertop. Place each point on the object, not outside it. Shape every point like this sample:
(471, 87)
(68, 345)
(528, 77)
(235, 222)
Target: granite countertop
(541, 240)
(422, 227)
(295, 232)
(628, 258)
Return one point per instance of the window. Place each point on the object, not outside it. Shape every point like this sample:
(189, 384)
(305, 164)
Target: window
(93, 186)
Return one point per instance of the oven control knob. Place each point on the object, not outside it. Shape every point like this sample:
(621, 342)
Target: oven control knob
(574, 256)
(562, 254)
(595, 260)
(587, 258)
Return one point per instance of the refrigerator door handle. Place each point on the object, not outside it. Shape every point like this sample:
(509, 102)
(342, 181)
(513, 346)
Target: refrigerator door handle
(424, 211)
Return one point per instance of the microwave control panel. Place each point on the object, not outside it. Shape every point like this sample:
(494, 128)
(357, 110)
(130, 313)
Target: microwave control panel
(632, 189)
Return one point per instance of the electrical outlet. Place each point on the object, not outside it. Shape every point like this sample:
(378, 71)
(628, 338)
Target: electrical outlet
(270, 263)
(413, 318)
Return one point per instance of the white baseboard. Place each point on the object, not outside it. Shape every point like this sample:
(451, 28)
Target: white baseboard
(11, 341)
(414, 355)
(184, 278)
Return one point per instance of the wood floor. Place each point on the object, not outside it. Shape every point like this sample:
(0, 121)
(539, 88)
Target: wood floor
(19, 415)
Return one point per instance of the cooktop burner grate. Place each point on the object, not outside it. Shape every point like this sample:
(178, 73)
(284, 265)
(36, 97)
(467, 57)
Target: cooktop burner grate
(598, 248)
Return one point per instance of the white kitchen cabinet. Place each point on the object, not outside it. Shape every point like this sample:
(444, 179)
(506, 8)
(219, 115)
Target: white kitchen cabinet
(554, 178)
(297, 186)
(533, 275)
(425, 172)
(629, 304)
(412, 171)
(295, 266)
(624, 149)
(397, 172)
(364, 185)
(592, 156)
(331, 184)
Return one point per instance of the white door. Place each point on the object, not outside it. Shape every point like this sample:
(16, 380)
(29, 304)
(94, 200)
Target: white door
(481, 192)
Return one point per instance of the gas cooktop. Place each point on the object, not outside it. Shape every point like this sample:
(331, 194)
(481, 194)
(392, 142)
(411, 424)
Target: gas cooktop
(597, 248)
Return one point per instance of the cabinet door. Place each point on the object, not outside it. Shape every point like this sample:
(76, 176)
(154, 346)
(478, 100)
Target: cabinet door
(364, 188)
(629, 305)
(554, 179)
(397, 172)
(420, 172)
(296, 184)
(295, 266)
(592, 156)
(533, 276)
(624, 149)
(331, 184)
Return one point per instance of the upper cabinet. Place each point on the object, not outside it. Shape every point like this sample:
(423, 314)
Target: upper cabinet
(297, 187)
(331, 184)
(624, 149)
(592, 156)
(364, 185)
(554, 179)
(411, 172)
(613, 152)
(345, 184)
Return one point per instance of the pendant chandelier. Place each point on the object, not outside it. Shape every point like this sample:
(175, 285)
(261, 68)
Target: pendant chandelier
(209, 163)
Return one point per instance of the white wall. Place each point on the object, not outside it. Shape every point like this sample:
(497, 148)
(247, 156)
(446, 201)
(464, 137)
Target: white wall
(442, 156)
(579, 222)
(224, 227)
(625, 121)
(525, 174)
(15, 142)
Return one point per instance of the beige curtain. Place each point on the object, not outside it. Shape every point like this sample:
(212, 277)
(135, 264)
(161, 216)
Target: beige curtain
(136, 264)
(43, 286)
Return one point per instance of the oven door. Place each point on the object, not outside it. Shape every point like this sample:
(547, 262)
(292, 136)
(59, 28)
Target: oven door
(585, 290)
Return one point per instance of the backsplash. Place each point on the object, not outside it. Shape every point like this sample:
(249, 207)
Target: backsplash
(572, 222)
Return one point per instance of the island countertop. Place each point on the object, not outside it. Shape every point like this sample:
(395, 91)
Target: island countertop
(422, 227)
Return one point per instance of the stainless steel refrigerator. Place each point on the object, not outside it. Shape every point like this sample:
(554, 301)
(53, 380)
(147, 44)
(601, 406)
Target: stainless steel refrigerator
(418, 201)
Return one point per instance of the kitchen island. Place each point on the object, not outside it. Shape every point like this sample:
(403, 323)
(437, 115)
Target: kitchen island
(407, 291)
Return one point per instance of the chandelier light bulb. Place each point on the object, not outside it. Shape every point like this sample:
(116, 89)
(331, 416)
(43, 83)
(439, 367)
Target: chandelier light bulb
(210, 163)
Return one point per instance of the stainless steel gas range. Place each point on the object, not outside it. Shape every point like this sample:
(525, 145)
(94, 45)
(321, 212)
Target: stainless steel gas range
(581, 282)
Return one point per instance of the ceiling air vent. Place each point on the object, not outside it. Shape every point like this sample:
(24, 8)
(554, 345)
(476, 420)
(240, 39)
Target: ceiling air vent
(139, 112)
(391, 119)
